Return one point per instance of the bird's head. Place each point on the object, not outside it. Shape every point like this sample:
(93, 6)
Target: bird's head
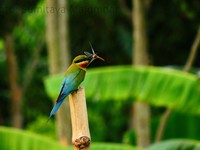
(93, 56)
(84, 60)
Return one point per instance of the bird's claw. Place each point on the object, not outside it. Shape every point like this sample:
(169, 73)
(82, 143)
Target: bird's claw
(76, 91)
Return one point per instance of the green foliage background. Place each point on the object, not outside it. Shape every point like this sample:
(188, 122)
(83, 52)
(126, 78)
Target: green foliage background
(172, 27)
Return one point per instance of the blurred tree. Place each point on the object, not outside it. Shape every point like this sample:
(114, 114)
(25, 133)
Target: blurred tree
(11, 14)
(31, 58)
(172, 36)
(141, 111)
(59, 57)
(15, 88)
(187, 68)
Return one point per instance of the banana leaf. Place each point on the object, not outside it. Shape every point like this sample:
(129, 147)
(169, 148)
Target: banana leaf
(176, 144)
(112, 146)
(14, 139)
(155, 85)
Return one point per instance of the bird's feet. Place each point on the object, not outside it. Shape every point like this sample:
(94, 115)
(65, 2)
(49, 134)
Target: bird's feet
(75, 91)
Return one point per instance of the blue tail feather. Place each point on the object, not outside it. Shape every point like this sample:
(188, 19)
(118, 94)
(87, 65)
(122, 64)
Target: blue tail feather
(56, 106)
(67, 87)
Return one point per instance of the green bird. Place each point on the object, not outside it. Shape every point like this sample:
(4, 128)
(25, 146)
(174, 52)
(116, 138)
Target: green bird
(74, 75)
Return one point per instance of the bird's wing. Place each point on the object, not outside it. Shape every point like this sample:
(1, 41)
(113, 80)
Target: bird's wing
(67, 87)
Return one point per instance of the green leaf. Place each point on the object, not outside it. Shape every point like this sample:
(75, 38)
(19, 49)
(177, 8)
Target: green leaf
(1, 45)
(112, 146)
(176, 144)
(157, 86)
(14, 139)
(53, 84)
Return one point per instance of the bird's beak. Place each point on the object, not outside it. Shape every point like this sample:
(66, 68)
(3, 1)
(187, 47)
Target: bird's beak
(92, 57)
(98, 57)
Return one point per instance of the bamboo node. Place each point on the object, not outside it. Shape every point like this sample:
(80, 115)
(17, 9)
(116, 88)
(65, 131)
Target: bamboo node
(82, 142)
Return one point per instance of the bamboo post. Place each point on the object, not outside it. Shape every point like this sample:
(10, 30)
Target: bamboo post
(79, 119)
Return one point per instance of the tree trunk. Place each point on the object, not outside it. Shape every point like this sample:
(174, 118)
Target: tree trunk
(15, 89)
(63, 36)
(52, 38)
(59, 59)
(140, 53)
(141, 111)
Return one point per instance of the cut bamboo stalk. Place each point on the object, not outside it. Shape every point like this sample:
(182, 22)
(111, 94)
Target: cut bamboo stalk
(79, 118)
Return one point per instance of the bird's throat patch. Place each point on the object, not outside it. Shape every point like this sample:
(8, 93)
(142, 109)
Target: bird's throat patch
(83, 64)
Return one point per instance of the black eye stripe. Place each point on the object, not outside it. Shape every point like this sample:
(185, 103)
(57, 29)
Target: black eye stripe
(80, 60)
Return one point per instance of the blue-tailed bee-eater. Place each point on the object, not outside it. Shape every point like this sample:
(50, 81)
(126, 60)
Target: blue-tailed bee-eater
(74, 75)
